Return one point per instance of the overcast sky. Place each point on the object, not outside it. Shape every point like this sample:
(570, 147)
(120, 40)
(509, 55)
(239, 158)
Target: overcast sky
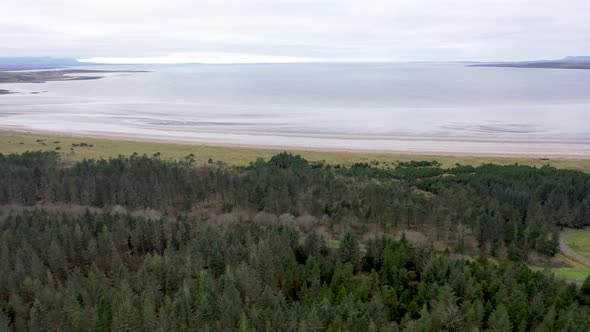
(289, 30)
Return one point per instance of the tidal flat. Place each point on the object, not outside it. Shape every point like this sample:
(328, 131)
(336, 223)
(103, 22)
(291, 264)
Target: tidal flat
(396, 108)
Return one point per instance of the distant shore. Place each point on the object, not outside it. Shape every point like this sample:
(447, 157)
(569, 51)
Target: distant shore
(42, 76)
(46, 74)
(539, 65)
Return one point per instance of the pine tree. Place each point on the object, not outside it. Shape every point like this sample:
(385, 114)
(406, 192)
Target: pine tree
(205, 308)
(548, 323)
(230, 305)
(38, 317)
(449, 315)
(244, 323)
(349, 249)
(126, 318)
(4, 321)
(585, 289)
(499, 320)
(56, 257)
(313, 244)
(537, 308)
(104, 311)
(148, 314)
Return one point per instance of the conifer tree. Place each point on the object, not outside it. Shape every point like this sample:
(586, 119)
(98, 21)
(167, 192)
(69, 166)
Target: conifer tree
(499, 321)
(349, 249)
(104, 311)
(38, 317)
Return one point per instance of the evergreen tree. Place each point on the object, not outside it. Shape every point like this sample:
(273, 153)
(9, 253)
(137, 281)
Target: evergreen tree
(585, 289)
(4, 321)
(38, 317)
(148, 314)
(149, 265)
(499, 321)
(126, 318)
(349, 249)
(103, 310)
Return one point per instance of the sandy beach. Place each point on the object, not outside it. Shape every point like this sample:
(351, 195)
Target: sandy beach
(442, 146)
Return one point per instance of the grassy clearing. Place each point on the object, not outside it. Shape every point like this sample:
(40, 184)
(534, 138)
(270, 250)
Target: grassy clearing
(571, 273)
(335, 244)
(12, 142)
(561, 258)
(580, 243)
(576, 271)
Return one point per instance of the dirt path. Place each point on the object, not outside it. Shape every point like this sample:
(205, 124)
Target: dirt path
(571, 253)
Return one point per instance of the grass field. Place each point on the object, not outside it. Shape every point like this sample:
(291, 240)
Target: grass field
(577, 271)
(13, 142)
(579, 243)
(335, 244)
(572, 273)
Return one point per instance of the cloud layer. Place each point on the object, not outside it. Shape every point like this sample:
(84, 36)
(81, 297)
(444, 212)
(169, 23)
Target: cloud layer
(287, 30)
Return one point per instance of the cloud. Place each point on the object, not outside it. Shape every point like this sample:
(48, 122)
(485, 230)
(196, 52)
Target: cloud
(285, 30)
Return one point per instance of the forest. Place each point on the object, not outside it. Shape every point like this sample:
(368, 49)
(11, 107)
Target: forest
(137, 243)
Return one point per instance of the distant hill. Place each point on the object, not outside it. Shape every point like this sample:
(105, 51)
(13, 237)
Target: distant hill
(37, 62)
(570, 62)
(576, 59)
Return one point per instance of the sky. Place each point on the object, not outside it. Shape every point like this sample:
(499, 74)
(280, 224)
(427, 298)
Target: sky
(246, 31)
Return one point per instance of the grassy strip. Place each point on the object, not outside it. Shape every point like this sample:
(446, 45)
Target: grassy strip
(335, 244)
(13, 142)
(577, 272)
(569, 261)
(580, 244)
(571, 273)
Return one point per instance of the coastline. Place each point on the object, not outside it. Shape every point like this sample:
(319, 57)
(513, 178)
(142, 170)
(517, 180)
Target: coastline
(539, 65)
(406, 145)
(104, 145)
(58, 74)
(477, 133)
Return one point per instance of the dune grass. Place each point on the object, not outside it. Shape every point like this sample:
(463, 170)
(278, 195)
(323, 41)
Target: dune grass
(16, 142)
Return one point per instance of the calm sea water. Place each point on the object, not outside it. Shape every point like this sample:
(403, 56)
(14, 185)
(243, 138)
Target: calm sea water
(397, 107)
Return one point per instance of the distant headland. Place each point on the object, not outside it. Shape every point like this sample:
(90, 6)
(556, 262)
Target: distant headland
(570, 62)
(24, 63)
(44, 69)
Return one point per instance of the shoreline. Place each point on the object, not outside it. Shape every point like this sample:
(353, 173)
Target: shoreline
(76, 147)
(446, 133)
(538, 65)
(57, 74)
(169, 140)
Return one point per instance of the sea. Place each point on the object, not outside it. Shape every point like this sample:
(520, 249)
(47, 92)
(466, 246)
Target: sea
(451, 108)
